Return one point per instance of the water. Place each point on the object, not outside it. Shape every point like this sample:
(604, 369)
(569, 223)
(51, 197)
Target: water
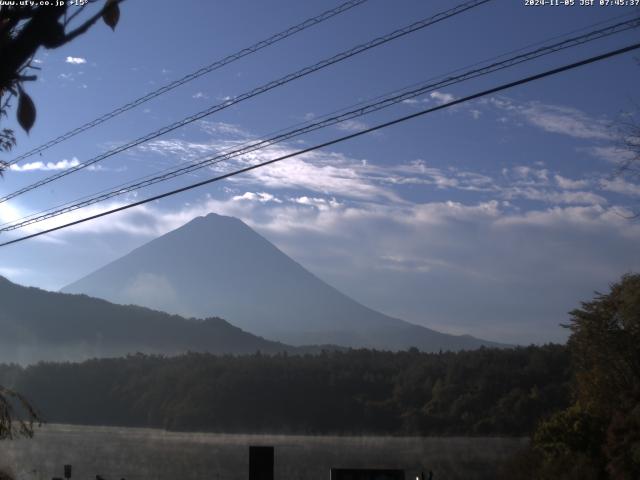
(137, 454)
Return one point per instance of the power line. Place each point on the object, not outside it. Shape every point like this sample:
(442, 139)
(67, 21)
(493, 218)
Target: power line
(310, 22)
(343, 109)
(405, 118)
(328, 121)
(259, 90)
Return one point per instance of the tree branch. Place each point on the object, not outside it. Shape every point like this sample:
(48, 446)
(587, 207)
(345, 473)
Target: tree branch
(88, 23)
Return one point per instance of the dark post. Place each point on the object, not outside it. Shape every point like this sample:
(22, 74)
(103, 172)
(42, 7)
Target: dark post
(366, 474)
(261, 463)
(67, 472)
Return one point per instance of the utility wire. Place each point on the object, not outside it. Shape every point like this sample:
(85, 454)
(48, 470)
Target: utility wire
(331, 120)
(380, 126)
(310, 22)
(333, 113)
(259, 90)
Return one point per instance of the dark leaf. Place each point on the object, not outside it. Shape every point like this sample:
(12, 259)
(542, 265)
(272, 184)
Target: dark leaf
(111, 13)
(26, 111)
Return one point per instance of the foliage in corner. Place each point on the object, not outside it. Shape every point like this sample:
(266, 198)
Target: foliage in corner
(601, 430)
(12, 425)
(24, 28)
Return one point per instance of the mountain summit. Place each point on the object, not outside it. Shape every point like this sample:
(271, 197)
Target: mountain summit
(218, 266)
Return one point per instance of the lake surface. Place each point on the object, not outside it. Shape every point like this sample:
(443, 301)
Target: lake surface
(136, 454)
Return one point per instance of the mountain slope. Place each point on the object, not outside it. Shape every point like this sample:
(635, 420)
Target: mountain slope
(40, 325)
(217, 265)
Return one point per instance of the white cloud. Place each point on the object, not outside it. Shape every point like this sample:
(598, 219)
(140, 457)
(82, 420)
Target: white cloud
(529, 175)
(596, 216)
(611, 154)
(45, 166)
(352, 126)
(133, 222)
(223, 129)
(555, 197)
(318, 202)
(322, 172)
(418, 172)
(621, 186)
(569, 184)
(200, 95)
(566, 121)
(13, 272)
(406, 264)
(262, 197)
(442, 97)
(556, 119)
(179, 149)
(539, 184)
(442, 212)
(334, 175)
(75, 60)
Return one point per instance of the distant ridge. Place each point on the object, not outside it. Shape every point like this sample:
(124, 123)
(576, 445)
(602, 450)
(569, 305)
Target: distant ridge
(39, 325)
(217, 265)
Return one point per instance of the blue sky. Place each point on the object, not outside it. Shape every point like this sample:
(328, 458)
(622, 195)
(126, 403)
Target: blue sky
(494, 218)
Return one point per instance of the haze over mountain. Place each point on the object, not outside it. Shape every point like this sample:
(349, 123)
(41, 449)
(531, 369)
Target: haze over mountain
(218, 266)
(39, 325)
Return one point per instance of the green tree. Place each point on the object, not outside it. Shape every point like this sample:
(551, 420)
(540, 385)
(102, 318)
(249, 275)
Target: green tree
(603, 424)
(25, 28)
(11, 424)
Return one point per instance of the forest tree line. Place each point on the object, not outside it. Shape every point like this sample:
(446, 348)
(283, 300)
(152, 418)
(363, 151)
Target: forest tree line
(482, 392)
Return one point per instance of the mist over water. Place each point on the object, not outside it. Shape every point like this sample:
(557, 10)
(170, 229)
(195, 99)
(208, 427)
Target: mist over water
(133, 454)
